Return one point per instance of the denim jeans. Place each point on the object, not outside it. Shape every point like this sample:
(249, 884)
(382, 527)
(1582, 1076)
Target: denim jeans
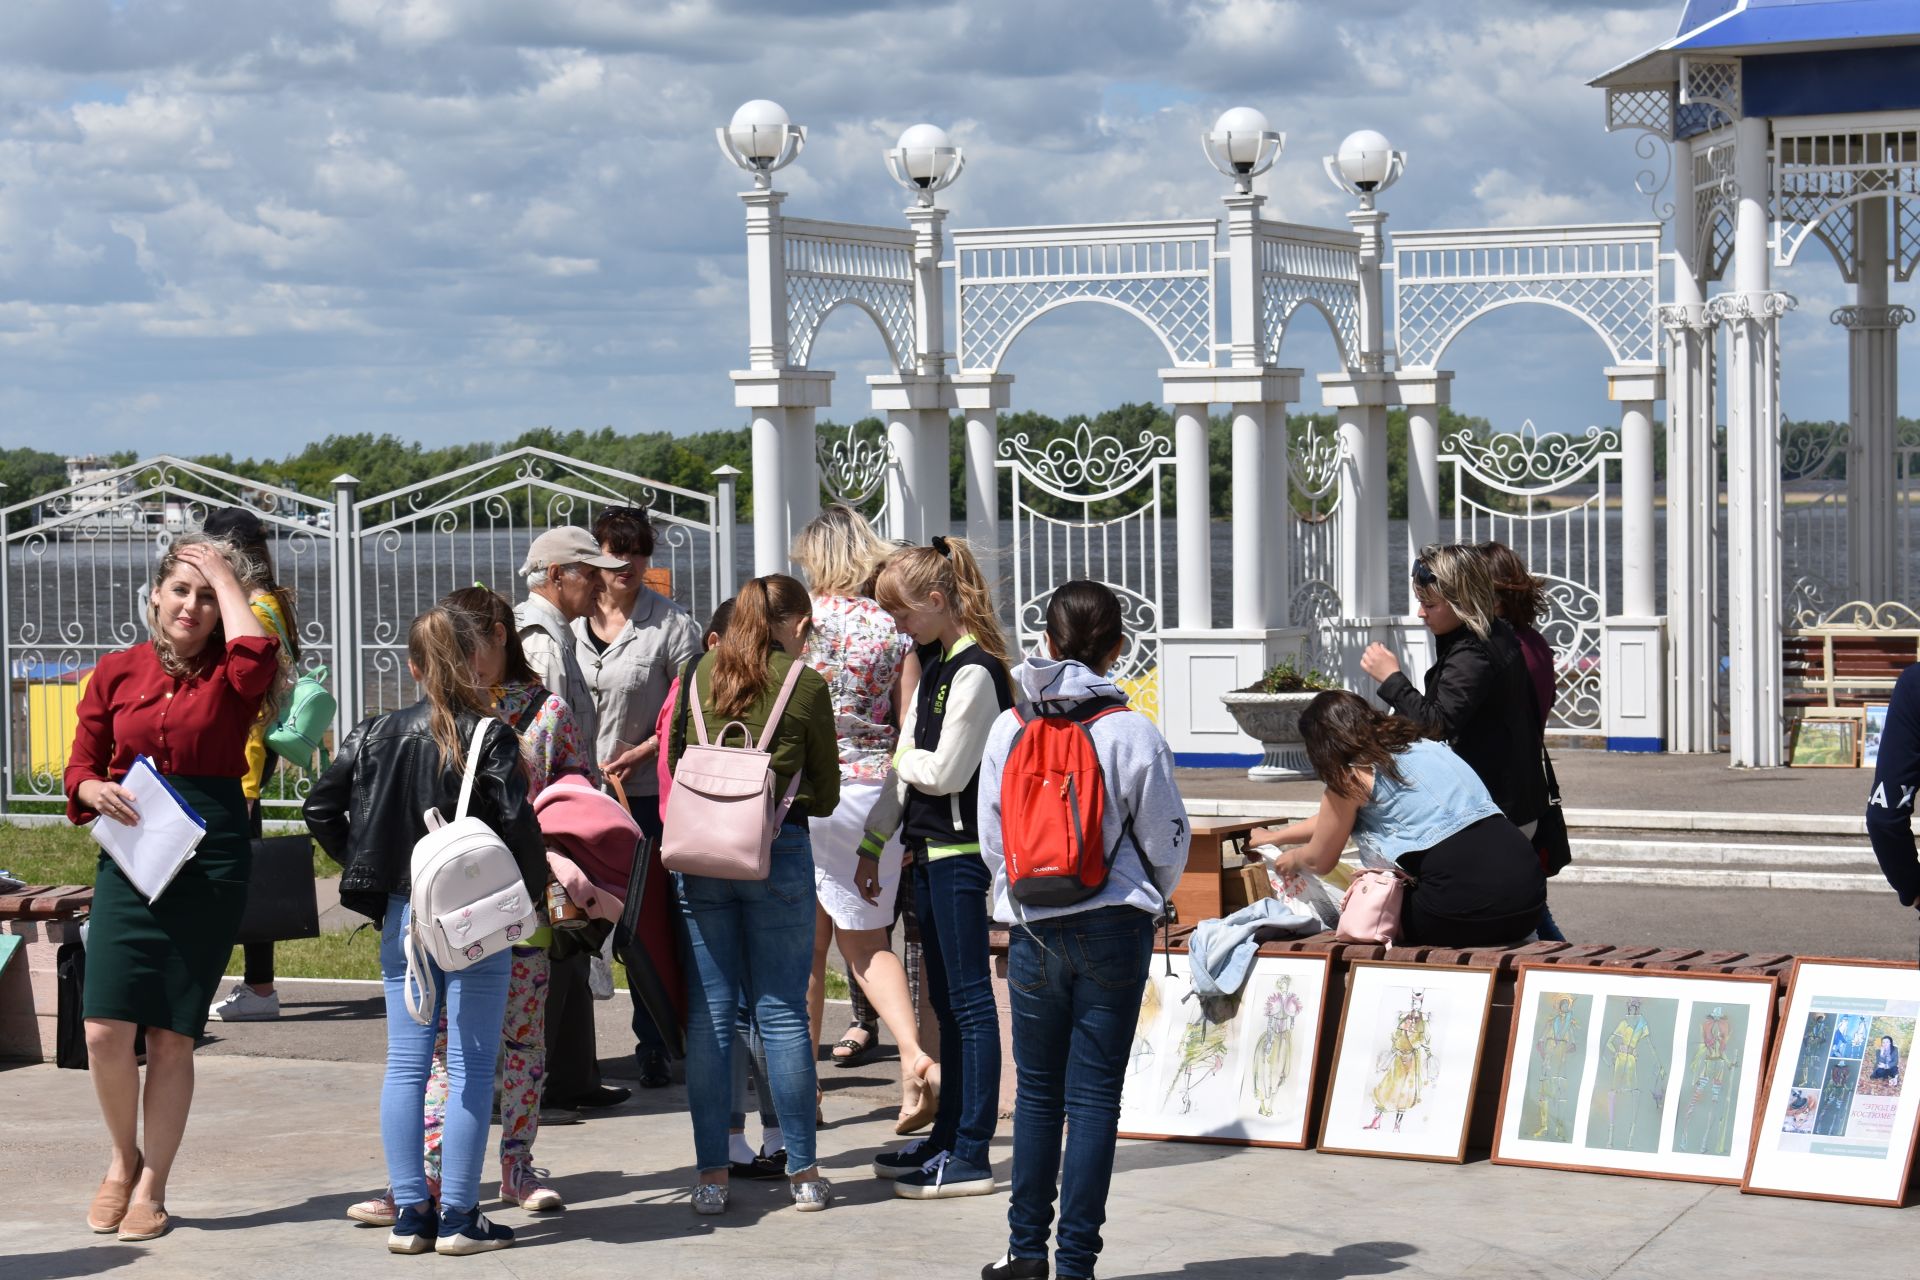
(749, 1055)
(1075, 984)
(476, 1003)
(754, 936)
(950, 895)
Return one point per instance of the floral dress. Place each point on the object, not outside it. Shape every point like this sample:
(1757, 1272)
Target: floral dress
(857, 648)
(550, 739)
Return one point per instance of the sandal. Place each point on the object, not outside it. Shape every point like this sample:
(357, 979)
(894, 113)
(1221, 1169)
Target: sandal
(856, 1051)
(921, 1112)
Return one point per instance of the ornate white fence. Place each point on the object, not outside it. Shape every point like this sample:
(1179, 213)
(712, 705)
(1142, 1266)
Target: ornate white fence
(77, 571)
(1554, 513)
(1813, 520)
(1090, 507)
(1314, 480)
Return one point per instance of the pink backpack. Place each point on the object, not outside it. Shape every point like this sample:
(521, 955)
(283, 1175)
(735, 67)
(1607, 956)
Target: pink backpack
(1370, 911)
(724, 815)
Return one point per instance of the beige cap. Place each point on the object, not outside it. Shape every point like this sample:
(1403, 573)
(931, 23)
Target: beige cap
(568, 544)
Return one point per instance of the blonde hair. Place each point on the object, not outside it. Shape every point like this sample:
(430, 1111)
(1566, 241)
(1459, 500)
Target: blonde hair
(440, 645)
(910, 577)
(839, 552)
(740, 671)
(1462, 578)
(245, 569)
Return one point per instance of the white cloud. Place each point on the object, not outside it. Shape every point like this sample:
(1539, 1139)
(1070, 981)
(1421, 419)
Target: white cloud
(460, 218)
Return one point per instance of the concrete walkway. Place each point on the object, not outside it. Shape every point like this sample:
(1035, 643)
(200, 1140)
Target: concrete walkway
(278, 1149)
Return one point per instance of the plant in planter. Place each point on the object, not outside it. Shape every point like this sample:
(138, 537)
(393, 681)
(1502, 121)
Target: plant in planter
(1269, 710)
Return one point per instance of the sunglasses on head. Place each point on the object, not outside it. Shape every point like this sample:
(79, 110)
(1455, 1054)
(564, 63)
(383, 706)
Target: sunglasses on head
(1422, 575)
(631, 513)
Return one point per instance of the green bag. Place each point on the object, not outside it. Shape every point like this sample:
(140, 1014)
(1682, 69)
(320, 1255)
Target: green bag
(304, 720)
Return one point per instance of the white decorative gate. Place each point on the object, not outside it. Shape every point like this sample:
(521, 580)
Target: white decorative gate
(74, 579)
(1554, 513)
(853, 469)
(1314, 483)
(1090, 507)
(1813, 519)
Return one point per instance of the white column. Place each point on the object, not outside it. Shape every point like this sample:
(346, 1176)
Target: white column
(1635, 388)
(1250, 528)
(1755, 714)
(904, 481)
(1279, 514)
(803, 472)
(1424, 393)
(348, 675)
(766, 280)
(1693, 502)
(934, 446)
(1192, 504)
(981, 397)
(769, 491)
(1873, 549)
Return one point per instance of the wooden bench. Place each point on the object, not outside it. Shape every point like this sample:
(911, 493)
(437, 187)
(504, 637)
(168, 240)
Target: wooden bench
(1850, 658)
(43, 917)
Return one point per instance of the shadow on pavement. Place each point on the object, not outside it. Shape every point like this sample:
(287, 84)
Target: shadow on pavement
(325, 1208)
(1371, 1258)
(91, 1261)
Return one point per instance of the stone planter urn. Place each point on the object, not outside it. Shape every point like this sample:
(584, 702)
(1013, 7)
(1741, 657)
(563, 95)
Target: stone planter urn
(1274, 719)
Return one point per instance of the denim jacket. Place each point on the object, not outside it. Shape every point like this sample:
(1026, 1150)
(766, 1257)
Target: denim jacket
(1437, 796)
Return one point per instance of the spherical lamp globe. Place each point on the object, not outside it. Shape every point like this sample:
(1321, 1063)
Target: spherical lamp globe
(1366, 158)
(920, 150)
(758, 129)
(1244, 129)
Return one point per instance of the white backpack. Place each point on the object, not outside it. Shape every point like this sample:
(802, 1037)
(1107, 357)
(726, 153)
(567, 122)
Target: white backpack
(468, 899)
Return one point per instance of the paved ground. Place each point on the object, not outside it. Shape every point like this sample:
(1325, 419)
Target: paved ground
(1619, 780)
(278, 1148)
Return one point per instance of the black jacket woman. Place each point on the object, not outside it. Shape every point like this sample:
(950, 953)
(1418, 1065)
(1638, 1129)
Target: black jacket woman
(1478, 697)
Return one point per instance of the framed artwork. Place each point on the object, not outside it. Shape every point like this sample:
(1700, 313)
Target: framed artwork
(1638, 1072)
(1829, 740)
(1247, 1080)
(1406, 1061)
(1875, 714)
(1839, 1114)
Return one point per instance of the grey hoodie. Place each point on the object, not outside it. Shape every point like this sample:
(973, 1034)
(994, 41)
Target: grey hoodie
(1138, 769)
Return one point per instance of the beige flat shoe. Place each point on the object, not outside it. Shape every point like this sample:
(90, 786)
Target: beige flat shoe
(918, 1113)
(110, 1201)
(145, 1220)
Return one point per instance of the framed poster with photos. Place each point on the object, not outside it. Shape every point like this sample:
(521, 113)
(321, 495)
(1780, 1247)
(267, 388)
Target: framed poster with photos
(1642, 1072)
(1406, 1061)
(1247, 1080)
(1839, 1114)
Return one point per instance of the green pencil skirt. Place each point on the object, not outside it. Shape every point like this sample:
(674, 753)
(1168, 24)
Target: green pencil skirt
(159, 964)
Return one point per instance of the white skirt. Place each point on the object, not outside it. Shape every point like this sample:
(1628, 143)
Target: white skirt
(836, 858)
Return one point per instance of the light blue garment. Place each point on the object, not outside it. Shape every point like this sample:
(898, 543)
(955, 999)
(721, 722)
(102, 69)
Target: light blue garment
(1438, 795)
(1137, 766)
(756, 937)
(476, 1002)
(1221, 952)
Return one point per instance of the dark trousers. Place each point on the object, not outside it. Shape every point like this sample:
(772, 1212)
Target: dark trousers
(1075, 984)
(573, 1054)
(646, 1036)
(950, 895)
(257, 970)
(1480, 887)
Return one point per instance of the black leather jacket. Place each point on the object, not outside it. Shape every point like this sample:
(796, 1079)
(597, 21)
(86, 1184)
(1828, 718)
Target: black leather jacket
(368, 809)
(1479, 700)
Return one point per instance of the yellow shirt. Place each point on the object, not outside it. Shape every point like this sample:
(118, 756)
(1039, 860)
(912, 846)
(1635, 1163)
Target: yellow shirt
(267, 610)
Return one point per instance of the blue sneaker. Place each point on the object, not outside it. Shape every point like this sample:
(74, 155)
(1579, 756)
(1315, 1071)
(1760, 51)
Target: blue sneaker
(944, 1176)
(464, 1231)
(907, 1159)
(414, 1228)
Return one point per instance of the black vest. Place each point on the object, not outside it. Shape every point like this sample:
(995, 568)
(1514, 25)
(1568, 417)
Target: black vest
(945, 821)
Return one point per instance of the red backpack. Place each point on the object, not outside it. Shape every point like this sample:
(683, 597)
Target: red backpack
(1053, 799)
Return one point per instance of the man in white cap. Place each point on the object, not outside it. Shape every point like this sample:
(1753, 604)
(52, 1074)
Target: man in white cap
(563, 579)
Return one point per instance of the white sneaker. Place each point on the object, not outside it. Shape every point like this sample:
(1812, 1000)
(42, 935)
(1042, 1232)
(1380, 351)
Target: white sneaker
(242, 1005)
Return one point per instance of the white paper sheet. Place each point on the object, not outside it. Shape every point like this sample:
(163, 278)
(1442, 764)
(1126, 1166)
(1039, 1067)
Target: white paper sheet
(151, 853)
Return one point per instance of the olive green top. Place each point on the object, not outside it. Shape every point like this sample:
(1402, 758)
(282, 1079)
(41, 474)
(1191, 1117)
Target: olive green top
(805, 742)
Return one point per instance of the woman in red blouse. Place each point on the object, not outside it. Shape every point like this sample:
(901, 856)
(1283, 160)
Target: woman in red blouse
(187, 701)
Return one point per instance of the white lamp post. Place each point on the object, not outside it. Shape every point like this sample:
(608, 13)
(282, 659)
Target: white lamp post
(1241, 146)
(761, 139)
(1365, 166)
(925, 162)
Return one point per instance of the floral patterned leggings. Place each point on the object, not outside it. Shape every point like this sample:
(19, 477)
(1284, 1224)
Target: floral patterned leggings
(522, 1073)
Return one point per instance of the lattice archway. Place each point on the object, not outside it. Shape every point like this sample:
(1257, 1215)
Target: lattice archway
(832, 264)
(1608, 276)
(1162, 273)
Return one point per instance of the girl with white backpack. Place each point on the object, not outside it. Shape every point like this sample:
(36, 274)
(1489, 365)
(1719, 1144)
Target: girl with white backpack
(396, 777)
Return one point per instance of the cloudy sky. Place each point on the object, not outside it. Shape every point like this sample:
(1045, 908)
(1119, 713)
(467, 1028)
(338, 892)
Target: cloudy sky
(246, 224)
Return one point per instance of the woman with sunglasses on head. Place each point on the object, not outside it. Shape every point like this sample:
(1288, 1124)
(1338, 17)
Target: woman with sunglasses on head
(1478, 697)
(631, 648)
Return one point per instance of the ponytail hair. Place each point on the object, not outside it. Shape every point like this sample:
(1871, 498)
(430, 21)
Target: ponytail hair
(910, 578)
(740, 671)
(1085, 621)
(440, 645)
